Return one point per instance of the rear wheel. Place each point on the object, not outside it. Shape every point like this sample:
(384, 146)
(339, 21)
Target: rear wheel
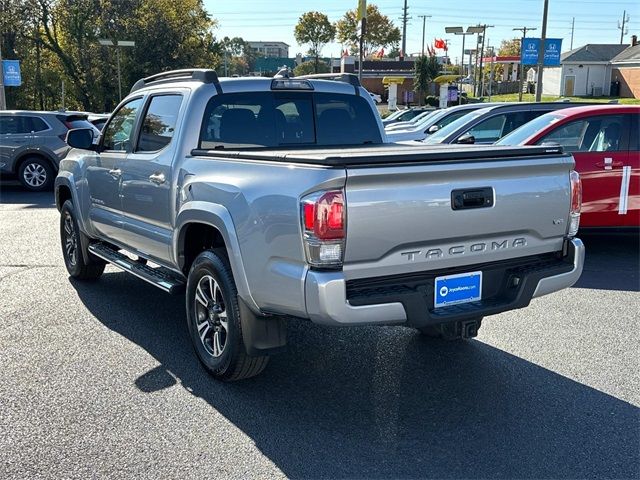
(453, 330)
(213, 319)
(36, 174)
(74, 259)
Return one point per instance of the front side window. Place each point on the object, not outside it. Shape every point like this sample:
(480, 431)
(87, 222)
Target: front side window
(159, 123)
(601, 133)
(118, 133)
(489, 130)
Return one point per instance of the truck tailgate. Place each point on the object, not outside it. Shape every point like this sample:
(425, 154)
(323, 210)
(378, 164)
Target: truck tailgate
(441, 214)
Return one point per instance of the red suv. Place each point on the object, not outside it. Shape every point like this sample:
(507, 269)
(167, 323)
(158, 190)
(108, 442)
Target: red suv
(604, 142)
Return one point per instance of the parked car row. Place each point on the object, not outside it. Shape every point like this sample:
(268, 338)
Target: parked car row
(602, 138)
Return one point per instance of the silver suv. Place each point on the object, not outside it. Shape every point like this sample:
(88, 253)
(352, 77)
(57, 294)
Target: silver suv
(33, 143)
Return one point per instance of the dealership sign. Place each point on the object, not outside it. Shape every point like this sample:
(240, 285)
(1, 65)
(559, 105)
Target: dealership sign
(530, 48)
(11, 73)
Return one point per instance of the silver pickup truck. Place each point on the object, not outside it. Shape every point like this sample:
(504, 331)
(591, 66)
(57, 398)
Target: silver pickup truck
(268, 200)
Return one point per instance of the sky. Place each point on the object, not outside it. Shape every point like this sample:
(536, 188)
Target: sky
(596, 21)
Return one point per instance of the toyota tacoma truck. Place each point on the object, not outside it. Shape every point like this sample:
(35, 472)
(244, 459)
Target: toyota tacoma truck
(267, 200)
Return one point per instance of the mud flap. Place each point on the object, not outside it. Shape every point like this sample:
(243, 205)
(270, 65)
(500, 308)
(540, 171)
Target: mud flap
(262, 335)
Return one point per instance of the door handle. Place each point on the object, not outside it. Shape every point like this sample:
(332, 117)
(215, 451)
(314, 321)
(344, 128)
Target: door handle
(608, 164)
(157, 178)
(115, 172)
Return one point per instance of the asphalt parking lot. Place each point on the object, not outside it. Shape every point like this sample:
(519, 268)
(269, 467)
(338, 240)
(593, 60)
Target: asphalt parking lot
(99, 380)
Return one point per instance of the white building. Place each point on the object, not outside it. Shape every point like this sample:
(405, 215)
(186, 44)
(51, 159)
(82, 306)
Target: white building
(270, 49)
(583, 71)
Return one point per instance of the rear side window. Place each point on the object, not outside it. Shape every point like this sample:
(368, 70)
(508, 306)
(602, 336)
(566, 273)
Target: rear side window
(14, 125)
(159, 123)
(266, 119)
(38, 125)
(345, 120)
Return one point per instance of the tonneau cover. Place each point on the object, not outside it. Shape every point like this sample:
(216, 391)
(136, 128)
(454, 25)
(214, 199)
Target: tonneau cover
(388, 154)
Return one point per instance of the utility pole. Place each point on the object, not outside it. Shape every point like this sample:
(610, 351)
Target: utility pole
(424, 22)
(524, 31)
(541, 49)
(404, 19)
(573, 25)
(3, 99)
(621, 26)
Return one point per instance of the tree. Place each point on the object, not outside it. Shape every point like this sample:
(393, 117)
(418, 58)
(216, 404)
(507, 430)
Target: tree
(393, 53)
(426, 70)
(314, 29)
(57, 40)
(380, 33)
(508, 48)
(238, 57)
(307, 68)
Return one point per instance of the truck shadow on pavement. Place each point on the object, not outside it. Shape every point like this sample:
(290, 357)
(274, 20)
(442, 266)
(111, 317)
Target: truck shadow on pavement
(612, 262)
(15, 194)
(383, 402)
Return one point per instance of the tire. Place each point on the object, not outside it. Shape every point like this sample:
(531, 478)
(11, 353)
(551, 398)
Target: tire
(448, 331)
(211, 299)
(36, 174)
(72, 247)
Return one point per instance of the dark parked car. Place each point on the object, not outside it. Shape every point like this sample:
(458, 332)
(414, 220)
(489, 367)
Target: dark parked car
(33, 143)
(488, 125)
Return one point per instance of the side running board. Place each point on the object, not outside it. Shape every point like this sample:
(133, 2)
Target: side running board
(161, 277)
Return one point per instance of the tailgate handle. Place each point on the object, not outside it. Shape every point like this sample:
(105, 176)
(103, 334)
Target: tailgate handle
(472, 198)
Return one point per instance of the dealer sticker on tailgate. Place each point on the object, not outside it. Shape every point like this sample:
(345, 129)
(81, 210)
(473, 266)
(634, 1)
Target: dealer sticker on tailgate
(459, 288)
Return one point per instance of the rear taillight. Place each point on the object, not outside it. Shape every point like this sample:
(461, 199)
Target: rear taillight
(576, 203)
(323, 223)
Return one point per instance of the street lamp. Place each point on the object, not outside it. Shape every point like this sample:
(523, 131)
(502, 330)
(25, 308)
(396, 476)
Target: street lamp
(119, 43)
(460, 31)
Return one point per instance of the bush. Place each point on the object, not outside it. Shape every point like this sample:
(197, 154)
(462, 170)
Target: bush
(432, 101)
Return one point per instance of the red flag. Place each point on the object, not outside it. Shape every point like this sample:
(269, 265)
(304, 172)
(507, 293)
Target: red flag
(439, 43)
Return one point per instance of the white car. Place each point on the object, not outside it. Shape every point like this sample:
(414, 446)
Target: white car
(431, 123)
(408, 125)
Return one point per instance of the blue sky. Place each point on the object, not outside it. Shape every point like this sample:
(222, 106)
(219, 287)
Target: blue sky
(596, 21)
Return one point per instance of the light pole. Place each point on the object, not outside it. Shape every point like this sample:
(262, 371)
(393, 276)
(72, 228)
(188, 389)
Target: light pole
(118, 43)
(460, 31)
(524, 31)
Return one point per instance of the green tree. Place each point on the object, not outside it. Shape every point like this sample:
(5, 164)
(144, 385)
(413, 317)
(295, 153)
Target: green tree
(314, 29)
(394, 52)
(380, 32)
(57, 40)
(427, 69)
(236, 54)
(307, 68)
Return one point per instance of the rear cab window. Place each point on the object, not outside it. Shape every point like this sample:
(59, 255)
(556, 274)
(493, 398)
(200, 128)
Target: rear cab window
(277, 119)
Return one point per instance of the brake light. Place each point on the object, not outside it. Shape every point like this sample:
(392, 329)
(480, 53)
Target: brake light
(323, 220)
(576, 203)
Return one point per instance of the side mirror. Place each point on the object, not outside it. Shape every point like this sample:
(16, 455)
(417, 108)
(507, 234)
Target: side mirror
(433, 129)
(466, 139)
(80, 138)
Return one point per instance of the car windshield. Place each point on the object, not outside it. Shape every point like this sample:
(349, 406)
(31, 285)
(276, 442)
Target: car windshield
(444, 132)
(520, 135)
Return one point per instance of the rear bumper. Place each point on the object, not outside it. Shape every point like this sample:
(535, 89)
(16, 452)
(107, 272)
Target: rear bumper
(408, 299)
